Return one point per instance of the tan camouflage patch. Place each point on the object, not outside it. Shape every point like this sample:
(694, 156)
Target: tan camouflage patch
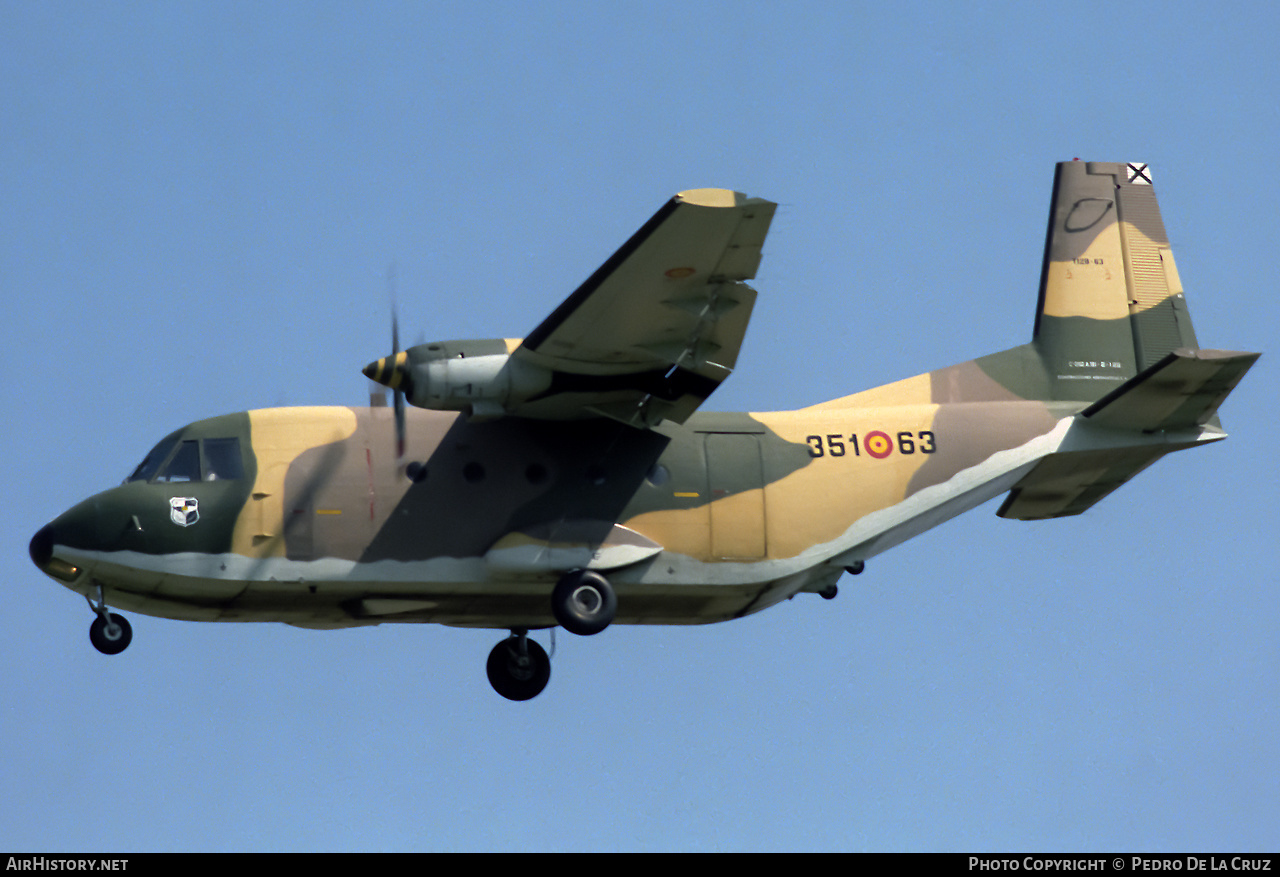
(279, 435)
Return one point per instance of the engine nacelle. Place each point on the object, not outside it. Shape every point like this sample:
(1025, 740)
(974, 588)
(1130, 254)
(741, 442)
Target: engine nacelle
(481, 385)
(478, 377)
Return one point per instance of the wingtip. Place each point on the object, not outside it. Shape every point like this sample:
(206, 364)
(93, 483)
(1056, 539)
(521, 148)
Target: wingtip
(712, 197)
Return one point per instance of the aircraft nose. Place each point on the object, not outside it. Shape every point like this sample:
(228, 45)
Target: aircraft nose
(41, 549)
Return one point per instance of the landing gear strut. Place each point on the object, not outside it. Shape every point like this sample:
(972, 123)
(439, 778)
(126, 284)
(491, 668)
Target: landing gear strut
(518, 667)
(109, 633)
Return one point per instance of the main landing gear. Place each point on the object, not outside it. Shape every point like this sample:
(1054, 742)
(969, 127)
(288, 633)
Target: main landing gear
(583, 602)
(109, 633)
(518, 667)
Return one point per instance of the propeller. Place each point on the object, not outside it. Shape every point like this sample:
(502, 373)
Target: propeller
(390, 370)
(398, 398)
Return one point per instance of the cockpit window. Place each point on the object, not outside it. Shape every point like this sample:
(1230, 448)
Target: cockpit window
(185, 465)
(211, 459)
(222, 459)
(151, 463)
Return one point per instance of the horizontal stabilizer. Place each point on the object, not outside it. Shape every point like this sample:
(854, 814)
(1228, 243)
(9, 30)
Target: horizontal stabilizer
(1178, 394)
(1181, 391)
(1067, 484)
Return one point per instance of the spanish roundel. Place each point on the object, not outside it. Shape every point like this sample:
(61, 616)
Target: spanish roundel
(878, 444)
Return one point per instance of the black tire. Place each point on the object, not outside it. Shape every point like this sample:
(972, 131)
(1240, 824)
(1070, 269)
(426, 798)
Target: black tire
(584, 602)
(518, 676)
(110, 639)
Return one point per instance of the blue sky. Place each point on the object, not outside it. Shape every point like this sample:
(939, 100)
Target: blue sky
(200, 203)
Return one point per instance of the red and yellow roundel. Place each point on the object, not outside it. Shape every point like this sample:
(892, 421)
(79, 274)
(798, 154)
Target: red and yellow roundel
(878, 444)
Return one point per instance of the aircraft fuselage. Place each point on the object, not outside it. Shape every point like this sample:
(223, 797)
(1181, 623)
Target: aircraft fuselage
(700, 522)
(706, 521)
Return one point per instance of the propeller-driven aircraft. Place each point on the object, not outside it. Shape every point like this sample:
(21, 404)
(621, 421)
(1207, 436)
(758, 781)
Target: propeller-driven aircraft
(568, 478)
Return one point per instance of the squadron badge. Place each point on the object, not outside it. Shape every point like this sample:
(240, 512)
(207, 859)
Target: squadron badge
(184, 510)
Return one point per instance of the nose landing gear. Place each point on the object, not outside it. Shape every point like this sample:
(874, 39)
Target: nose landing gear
(109, 633)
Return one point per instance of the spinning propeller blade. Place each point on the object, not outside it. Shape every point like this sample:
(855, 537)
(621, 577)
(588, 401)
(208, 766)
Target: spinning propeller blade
(389, 371)
(399, 391)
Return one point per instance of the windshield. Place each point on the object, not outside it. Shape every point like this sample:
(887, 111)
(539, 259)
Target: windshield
(184, 465)
(151, 463)
(174, 460)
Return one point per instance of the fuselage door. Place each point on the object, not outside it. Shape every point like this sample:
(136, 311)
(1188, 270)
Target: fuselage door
(735, 486)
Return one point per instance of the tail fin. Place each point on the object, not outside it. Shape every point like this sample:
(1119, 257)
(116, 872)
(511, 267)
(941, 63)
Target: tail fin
(1111, 304)
(1113, 330)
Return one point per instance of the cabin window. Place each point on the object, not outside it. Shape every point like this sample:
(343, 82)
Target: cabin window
(222, 459)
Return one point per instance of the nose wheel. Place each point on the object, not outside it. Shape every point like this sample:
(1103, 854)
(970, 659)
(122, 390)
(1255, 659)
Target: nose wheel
(110, 633)
(518, 667)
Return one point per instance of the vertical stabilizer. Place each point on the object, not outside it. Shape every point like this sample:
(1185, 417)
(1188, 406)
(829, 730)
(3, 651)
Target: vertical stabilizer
(1111, 303)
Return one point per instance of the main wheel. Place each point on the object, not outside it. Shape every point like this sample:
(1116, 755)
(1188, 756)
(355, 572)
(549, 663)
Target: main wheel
(111, 637)
(518, 668)
(583, 602)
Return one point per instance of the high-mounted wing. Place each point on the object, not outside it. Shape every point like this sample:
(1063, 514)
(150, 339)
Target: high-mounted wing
(646, 338)
(656, 329)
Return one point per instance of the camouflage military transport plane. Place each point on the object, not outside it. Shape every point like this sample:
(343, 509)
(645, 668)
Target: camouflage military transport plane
(567, 478)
